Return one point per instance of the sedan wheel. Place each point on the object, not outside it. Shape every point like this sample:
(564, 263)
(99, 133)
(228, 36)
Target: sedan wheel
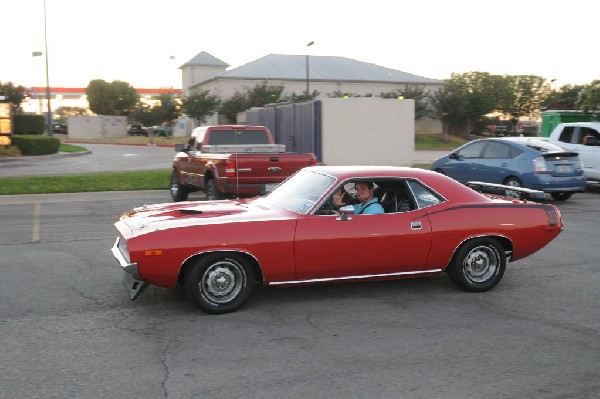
(513, 182)
(478, 265)
(219, 283)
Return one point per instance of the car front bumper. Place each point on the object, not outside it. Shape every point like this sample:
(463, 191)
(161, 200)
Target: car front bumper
(134, 285)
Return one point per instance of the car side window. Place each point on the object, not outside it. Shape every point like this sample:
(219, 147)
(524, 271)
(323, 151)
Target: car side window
(497, 150)
(472, 150)
(567, 134)
(423, 195)
(586, 131)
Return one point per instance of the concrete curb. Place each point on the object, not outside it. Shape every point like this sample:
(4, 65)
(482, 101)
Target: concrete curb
(42, 157)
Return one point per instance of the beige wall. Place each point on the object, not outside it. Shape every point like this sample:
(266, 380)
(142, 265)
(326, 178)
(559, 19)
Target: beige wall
(368, 131)
(225, 89)
(93, 127)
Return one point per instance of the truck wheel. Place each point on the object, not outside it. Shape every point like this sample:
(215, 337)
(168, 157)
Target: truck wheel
(212, 194)
(178, 191)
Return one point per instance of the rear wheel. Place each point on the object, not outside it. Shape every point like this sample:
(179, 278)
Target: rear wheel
(478, 265)
(513, 182)
(219, 283)
(212, 193)
(561, 195)
(178, 191)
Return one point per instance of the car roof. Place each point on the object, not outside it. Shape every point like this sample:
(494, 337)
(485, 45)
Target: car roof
(527, 143)
(444, 185)
(595, 125)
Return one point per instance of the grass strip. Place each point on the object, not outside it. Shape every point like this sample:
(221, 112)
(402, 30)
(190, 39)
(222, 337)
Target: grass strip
(112, 181)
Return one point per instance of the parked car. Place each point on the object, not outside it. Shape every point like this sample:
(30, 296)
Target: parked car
(59, 127)
(584, 138)
(294, 235)
(518, 162)
(136, 129)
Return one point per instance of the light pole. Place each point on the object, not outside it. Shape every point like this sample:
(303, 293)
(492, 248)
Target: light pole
(49, 112)
(307, 73)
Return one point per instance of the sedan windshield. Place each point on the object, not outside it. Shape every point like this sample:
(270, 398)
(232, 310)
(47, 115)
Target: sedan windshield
(300, 192)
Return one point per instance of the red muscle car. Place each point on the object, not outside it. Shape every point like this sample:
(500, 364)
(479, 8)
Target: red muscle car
(219, 250)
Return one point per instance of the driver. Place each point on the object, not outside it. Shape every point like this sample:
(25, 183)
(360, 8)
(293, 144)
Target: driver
(368, 203)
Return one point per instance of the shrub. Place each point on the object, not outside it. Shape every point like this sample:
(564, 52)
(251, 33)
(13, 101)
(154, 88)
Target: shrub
(36, 145)
(29, 124)
(9, 151)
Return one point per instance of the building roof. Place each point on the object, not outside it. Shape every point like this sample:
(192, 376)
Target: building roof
(205, 59)
(321, 68)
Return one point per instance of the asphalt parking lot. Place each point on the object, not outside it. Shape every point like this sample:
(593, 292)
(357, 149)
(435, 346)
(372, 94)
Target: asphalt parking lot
(69, 329)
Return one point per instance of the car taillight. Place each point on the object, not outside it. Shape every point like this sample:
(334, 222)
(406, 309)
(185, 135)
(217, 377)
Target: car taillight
(230, 169)
(553, 217)
(539, 165)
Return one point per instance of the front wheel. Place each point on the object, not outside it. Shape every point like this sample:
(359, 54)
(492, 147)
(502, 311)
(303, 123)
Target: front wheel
(178, 191)
(561, 195)
(219, 283)
(478, 265)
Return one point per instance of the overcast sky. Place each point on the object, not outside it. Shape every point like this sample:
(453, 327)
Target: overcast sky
(134, 40)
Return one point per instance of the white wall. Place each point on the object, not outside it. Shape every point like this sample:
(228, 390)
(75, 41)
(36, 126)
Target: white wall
(370, 131)
(94, 127)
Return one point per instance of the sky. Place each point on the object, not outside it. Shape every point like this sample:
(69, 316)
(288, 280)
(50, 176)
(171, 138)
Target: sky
(143, 42)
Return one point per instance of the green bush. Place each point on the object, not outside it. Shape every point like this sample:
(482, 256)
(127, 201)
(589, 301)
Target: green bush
(29, 124)
(36, 145)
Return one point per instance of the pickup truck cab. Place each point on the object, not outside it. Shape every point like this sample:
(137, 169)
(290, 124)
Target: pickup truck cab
(584, 138)
(232, 161)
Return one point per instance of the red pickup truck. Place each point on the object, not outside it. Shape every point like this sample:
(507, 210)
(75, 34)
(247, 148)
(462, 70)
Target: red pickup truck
(232, 160)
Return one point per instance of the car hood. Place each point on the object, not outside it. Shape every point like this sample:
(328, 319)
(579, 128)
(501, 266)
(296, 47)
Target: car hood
(149, 218)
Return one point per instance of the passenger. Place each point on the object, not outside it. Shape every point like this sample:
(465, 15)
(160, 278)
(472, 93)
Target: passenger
(368, 204)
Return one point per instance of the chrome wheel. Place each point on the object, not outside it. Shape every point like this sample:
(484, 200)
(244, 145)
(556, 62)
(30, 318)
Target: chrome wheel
(222, 281)
(480, 264)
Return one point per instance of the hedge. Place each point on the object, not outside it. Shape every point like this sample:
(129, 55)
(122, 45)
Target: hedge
(29, 124)
(36, 145)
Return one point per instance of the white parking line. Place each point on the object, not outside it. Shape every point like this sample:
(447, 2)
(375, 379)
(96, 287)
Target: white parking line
(37, 210)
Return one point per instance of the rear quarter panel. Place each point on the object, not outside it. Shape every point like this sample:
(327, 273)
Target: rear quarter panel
(524, 224)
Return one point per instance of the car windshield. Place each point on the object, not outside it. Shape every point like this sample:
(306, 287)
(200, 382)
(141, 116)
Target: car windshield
(300, 192)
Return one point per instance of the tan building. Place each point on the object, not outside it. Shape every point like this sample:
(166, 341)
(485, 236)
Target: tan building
(327, 75)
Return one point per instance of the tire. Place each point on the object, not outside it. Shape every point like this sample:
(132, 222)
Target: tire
(478, 265)
(514, 182)
(178, 191)
(219, 283)
(212, 194)
(561, 195)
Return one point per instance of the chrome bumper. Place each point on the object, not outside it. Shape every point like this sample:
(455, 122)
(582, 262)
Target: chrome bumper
(134, 286)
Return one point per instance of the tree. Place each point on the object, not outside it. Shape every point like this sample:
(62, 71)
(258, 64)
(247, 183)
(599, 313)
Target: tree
(528, 94)
(64, 112)
(14, 94)
(116, 98)
(201, 106)
(590, 98)
(412, 92)
(231, 107)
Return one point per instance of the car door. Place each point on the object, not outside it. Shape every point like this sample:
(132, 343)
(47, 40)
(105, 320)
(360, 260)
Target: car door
(465, 164)
(573, 138)
(496, 163)
(328, 247)
(589, 154)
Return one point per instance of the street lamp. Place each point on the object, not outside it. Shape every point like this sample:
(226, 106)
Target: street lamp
(37, 54)
(307, 72)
